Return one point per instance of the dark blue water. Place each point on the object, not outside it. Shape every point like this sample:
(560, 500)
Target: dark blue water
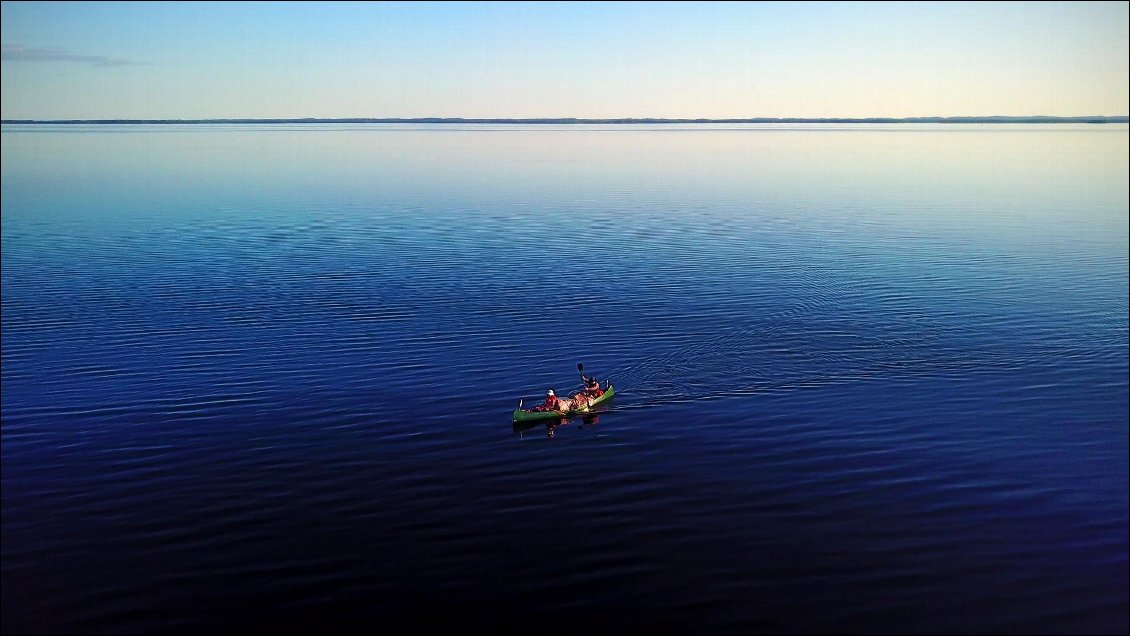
(869, 379)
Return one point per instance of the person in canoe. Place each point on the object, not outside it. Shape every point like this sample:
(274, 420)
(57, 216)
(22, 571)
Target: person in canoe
(552, 403)
(581, 400)
(591, 389)
(592, 386)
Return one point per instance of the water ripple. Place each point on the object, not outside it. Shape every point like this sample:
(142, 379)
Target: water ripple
(874, 381)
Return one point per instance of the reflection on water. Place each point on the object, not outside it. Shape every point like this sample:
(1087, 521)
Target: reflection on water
(869, 378)
(584, 420)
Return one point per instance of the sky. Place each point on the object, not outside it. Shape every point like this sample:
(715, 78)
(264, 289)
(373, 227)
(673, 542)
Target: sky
(189, 60)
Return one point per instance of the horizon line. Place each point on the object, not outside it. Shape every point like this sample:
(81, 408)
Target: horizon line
(1098, 119)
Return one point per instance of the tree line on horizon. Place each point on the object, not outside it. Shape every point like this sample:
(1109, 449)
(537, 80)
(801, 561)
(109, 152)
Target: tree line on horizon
(995, 119)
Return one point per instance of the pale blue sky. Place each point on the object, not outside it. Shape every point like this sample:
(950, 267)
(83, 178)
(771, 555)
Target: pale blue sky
(91, 60)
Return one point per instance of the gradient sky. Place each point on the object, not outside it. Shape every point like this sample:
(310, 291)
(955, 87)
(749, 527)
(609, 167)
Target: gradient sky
(804, 59)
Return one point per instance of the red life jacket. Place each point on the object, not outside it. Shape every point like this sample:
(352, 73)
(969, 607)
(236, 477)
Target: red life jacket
(551, 402)
(593, 389)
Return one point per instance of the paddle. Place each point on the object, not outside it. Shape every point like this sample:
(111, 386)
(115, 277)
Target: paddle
(581, 370)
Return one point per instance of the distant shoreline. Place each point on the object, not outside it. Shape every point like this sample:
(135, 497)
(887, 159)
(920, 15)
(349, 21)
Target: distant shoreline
(1122, 119)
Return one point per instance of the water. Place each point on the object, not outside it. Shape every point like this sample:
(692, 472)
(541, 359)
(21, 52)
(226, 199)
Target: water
(869, 378)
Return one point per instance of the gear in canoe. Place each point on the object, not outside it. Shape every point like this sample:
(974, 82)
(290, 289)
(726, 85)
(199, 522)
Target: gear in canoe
(580, 402)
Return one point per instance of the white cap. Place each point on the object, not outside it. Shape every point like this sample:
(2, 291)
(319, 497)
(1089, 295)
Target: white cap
(549, 392)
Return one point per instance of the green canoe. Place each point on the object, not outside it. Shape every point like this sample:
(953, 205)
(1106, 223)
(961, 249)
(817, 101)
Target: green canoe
(530, 416)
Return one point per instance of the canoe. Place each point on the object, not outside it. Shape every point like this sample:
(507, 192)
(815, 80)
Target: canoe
(530, 416)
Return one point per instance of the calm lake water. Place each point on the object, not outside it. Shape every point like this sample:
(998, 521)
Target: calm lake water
(869, 378)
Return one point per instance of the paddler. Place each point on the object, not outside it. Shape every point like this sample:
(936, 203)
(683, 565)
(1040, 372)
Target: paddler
(592, 386)
(550, 400)
(591, 389)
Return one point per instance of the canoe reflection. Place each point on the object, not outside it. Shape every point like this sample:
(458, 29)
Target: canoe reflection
(551, 426)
